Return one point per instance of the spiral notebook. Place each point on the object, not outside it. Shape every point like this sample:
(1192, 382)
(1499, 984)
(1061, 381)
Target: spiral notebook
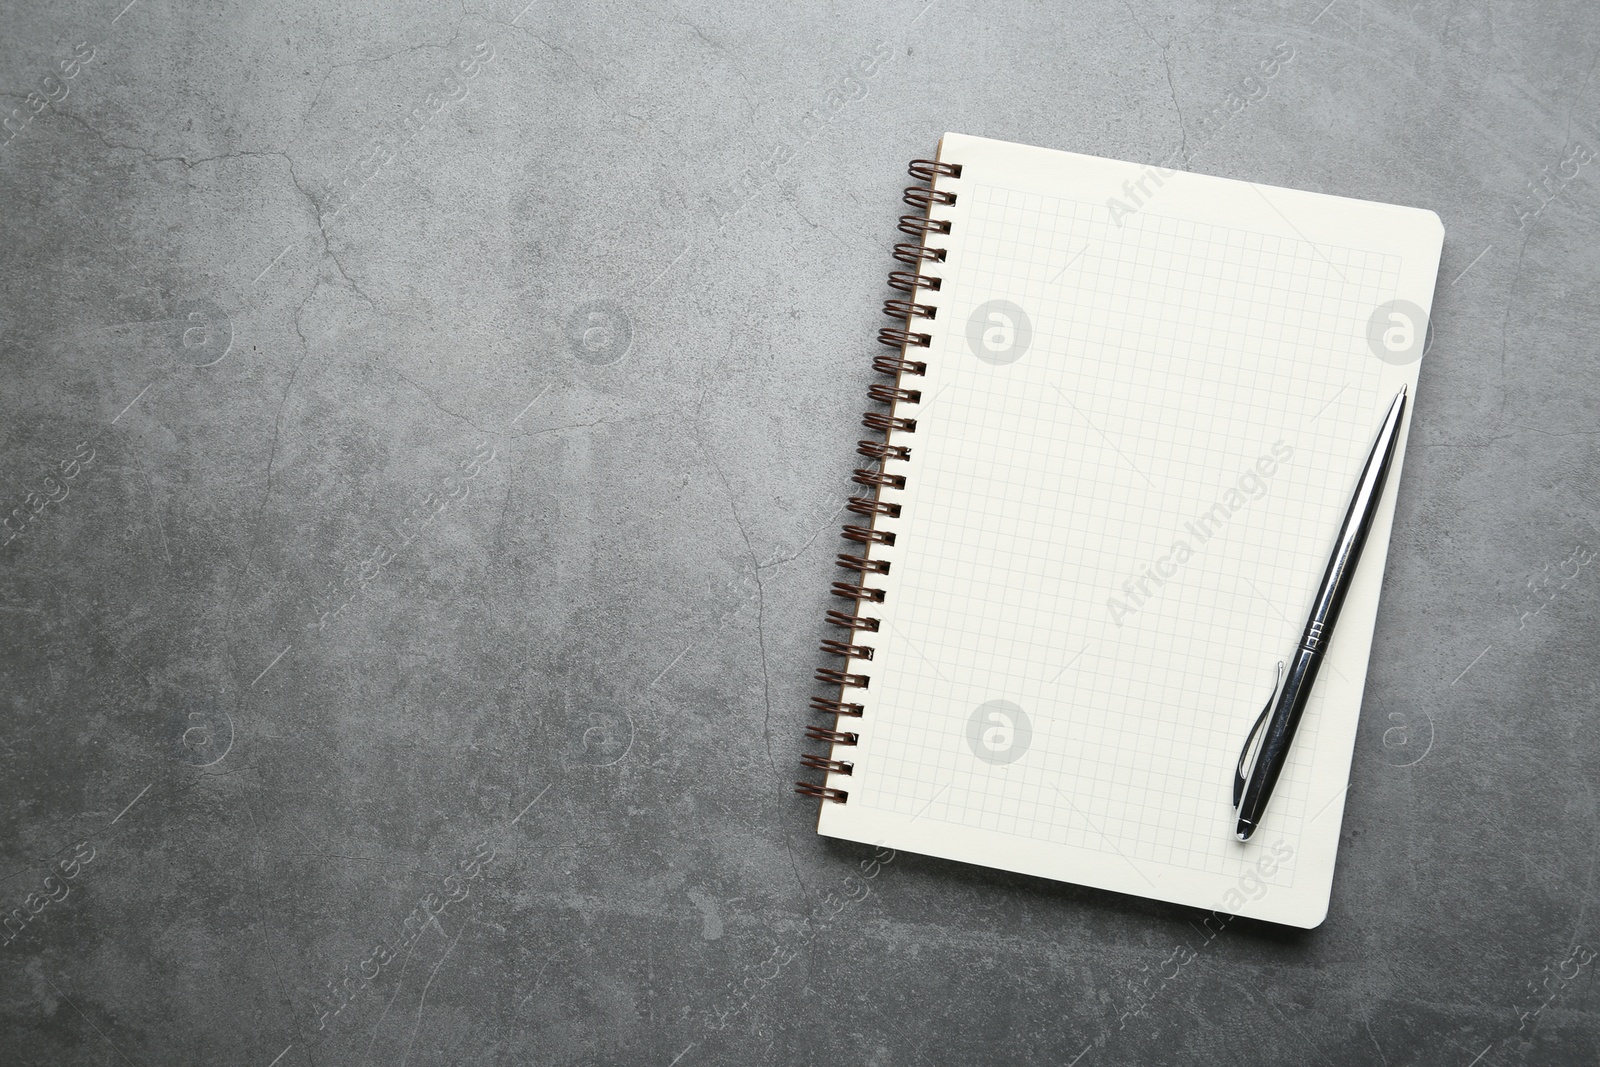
(1125, 411)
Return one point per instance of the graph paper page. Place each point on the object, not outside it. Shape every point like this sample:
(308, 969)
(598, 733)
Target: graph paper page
(1148, 396)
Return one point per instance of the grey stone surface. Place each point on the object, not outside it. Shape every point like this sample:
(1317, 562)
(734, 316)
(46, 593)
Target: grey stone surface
(292, 652)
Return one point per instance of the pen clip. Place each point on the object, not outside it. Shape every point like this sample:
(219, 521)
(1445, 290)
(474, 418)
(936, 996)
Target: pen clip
(1245, 753)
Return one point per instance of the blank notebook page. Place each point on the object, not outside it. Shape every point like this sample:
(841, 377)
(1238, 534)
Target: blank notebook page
(1148, 396)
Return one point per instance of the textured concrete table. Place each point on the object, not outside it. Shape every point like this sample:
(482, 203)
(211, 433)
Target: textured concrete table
(424, 433)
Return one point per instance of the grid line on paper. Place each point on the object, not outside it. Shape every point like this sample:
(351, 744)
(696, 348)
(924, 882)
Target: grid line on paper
(1172, 358)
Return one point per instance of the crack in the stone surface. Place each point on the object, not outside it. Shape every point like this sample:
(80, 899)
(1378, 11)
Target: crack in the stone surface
(322, 235)
(255, 533)
(151, 155)
(755, 564)
(1166, 62)
(435, 402)
(316, 98)
(439, 404)
(320, 224)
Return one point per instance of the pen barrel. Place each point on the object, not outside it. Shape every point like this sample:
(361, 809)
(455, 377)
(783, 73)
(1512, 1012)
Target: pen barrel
(1282, 723)
(1353, 532)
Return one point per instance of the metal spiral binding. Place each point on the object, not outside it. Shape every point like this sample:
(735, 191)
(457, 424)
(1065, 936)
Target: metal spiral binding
(902, 338)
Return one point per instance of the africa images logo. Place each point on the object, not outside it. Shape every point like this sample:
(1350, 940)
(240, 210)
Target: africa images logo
(1397, 332)
(202, 332)
(599, 333)
(999, 332)
(999, 732)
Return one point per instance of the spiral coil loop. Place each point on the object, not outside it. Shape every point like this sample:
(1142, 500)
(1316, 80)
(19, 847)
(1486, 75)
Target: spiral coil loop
(849, 681)
(846, 621)
(858, 593)
(879, 450)
(904, 309)
(863, 506)
(925, 169)
(895, 337)
(917, 196)
(877, 420)
(832, 766)
(861, 563)
(834, 737)
(829, 706)
(921, 225)
(821, 792)
(868, 537)
(872, 477)
(889, 394)
(901, 338)
(907, 282)
(895, 365)
(916, 254)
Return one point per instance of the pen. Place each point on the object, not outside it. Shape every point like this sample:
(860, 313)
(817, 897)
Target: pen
(1253, 788)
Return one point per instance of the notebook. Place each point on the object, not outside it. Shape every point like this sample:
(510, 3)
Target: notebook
(1124, 414)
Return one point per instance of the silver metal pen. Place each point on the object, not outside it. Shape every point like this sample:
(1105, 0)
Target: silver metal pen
(1253, 788)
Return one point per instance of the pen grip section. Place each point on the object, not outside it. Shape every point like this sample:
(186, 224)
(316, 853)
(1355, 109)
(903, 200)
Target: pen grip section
(1281, 726)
